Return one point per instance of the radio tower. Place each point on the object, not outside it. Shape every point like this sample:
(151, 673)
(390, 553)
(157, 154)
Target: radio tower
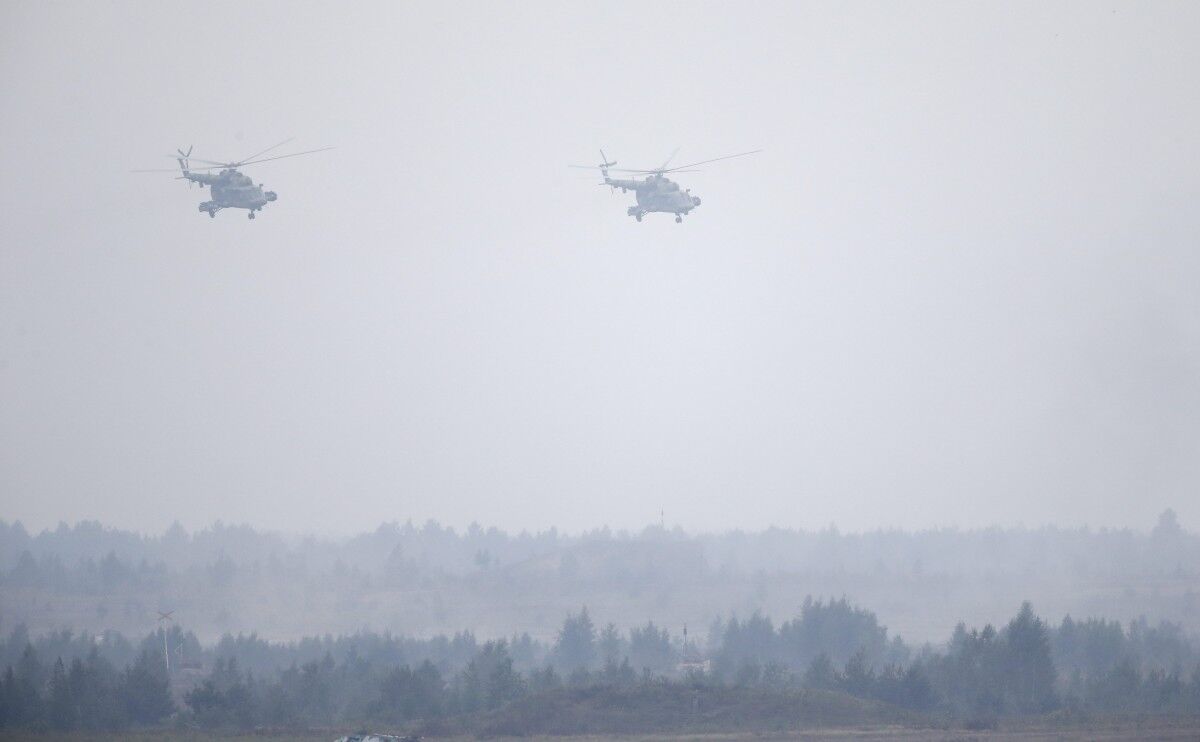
(166, 654)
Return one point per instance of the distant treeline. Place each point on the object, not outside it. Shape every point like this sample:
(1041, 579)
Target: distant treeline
(79, 681)
(418, 579)
(91, 555)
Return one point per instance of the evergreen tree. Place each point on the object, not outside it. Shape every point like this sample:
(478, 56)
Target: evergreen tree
(225, 698)
(916, 692)
(858, 678)
(821, 673)
(489, 681)
(25, 689)
(60, 707)
(576, 646)
(144, 691)
(836, 628)
(650, 647)
(751, 641)
(1028, 673)
(618, 675)
(612, 646)
(94, 683)
(546, 679)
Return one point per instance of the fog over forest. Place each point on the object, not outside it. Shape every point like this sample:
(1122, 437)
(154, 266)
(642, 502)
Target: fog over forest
(879, 406)
(266, 630)
(956, 288)
(426, 579)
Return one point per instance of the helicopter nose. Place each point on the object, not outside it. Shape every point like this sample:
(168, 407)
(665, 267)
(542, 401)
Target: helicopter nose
(271, 196)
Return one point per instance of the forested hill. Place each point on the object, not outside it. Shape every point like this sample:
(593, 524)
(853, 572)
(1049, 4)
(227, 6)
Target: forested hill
(421, 579)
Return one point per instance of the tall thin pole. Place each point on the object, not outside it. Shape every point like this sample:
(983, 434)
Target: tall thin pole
(163, 627)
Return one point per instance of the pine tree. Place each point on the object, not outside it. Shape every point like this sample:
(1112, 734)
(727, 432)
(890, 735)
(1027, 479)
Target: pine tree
(858, 678)
(611, 645)
(25, 685)
(576, 646)
(144, 691)
(821, 673)
(1027, 670)
(60, 709)
(94, 683)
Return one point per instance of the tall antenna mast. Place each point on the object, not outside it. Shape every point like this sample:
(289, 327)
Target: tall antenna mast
(166, 653)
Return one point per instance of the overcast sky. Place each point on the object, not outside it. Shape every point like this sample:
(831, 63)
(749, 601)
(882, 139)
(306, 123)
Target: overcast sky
(959, 286)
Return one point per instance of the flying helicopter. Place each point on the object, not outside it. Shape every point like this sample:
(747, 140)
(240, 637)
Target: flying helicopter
(230, 189)
(655, 192)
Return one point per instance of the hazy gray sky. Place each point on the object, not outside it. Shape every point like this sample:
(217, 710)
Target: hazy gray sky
(959, 287)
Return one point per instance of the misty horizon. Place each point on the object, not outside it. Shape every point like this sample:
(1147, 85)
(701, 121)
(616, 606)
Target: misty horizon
(455, 413)
(956, 288)
(423, 578)
(658, 526)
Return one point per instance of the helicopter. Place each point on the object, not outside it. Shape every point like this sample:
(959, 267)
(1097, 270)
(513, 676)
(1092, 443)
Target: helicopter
(656, 192)
(230, 189)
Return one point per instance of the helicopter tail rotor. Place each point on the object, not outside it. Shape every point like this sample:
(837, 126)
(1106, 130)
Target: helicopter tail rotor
(183, 159)
(604, 166)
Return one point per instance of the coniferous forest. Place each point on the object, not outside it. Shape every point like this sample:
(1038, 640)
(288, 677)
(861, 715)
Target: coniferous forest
(556, 632)
(851, 395)
(832, 661)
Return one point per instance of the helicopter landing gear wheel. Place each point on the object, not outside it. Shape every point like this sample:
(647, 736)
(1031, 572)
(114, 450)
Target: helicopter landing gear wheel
(250, 215)
(638, 217)
(212, 214)
(678, 219)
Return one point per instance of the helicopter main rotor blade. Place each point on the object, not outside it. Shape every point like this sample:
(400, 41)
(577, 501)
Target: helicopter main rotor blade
(268, 149)
(190, 169)
(214, 163)
(715, 159)
(219, 166)
(663, 167)
(280, 157)
(157, 170)
(612, 169)
(662, 172)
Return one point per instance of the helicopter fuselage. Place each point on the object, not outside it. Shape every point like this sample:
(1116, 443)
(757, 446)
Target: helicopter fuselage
(657, 193)
(231, 190)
